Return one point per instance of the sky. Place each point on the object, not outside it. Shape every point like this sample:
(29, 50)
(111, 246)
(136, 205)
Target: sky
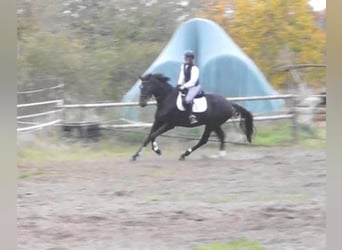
(318, 4)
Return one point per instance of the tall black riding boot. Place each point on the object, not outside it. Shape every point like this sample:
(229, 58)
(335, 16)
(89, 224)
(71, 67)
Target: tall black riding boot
(188, 110)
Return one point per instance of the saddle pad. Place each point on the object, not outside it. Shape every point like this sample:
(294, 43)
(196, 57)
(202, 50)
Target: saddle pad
(199, 106)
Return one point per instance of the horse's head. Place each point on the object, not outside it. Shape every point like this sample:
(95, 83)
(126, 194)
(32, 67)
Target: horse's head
(151, 85)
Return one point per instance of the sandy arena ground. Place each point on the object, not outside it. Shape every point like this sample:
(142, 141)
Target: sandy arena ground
(275, 195)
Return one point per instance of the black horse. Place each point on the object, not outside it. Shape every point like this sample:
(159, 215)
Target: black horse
(168, 116)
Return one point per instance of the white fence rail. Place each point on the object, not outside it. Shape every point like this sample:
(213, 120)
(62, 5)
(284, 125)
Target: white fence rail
(57, 102)
(41, 109)
(134, 104)
(148, 125)
(63, 107)
(83, 107)
(38, 126)
(59, 86)
(39, 114)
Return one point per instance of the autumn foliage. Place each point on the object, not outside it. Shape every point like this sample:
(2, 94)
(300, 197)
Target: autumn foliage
(273, 33)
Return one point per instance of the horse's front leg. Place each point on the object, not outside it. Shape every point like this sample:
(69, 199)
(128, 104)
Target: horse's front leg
(162, 129)
(155, 126)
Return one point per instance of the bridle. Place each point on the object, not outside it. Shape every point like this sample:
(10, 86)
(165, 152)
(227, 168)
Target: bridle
(157, 98)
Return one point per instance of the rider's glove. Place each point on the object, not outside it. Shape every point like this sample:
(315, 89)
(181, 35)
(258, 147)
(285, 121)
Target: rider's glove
(180, 87)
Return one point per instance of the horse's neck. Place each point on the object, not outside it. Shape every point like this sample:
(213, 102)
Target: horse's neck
(164, 95)
(164, 92)
(166, 105)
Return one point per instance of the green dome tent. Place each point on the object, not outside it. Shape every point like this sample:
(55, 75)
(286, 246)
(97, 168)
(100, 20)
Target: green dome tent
(224, 67)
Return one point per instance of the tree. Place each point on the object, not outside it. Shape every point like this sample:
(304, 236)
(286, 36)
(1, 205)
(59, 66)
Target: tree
(272, 33)
(99, 48)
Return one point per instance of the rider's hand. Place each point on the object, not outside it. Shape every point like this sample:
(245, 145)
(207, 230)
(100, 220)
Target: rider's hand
(180, 87)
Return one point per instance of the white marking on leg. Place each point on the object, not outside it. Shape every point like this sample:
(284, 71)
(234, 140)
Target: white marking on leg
(189, 150)
(155, 146)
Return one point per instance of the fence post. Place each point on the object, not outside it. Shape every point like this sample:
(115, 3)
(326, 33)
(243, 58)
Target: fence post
(294, 121)
(60, 92)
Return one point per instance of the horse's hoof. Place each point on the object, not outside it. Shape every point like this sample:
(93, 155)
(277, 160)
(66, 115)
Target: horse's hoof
(134, 158)
(158, 152)
(182, 158)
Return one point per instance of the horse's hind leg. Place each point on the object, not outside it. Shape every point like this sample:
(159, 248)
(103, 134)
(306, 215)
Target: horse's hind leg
(220, 134)
(202, 141)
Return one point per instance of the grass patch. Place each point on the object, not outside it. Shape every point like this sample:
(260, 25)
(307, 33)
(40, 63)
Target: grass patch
(74, 152)
(48, 149)
(280, 133)
(25, 175)
(240, 244)
(29, 174)
(53, 147)
(273, 135)
(131, 137)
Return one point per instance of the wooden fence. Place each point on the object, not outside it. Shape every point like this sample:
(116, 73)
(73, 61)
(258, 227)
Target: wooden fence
(61, 108)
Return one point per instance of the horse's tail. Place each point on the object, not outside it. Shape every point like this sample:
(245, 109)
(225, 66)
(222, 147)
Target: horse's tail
(246, 121)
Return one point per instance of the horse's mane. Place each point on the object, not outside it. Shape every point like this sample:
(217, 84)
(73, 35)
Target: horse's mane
(159, 76)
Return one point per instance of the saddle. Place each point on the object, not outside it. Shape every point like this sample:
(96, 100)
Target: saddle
(199, 94)
(199, 104)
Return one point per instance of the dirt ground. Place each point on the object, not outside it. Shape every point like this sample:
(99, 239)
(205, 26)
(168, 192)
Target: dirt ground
(273, 195)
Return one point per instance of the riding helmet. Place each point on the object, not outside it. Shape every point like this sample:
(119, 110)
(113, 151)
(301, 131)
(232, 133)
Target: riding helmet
(189, 53)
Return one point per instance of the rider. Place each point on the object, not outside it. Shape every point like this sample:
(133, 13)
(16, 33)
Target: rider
(188, 79)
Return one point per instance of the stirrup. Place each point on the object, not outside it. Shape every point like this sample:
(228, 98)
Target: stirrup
(192, 119)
